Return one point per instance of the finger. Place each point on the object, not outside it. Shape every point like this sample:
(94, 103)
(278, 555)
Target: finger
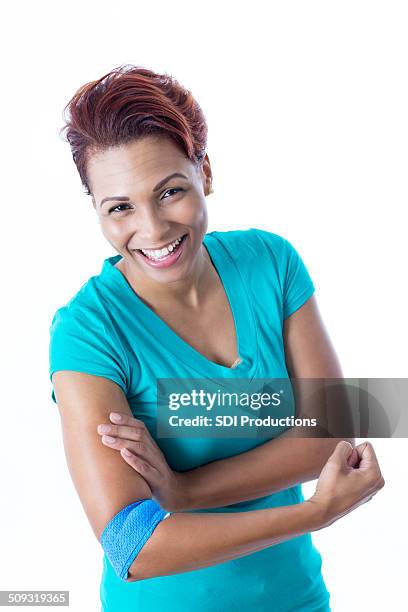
(133, 429)
(369, 459)
(364, 449)
(353, 459)
(370, 468)
(119, 443)
(123, 431)
(125, 419)
(341, 453)
(146, 470)
(360, 448)
(368, 453)
(140, 447)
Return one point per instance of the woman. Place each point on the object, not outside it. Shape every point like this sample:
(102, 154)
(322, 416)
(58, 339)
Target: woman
(178, 302)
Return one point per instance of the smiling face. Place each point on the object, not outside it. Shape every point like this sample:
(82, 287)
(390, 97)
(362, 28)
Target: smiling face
(139, 207)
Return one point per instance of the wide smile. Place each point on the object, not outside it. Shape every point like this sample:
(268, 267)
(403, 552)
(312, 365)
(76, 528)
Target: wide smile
(166, 257)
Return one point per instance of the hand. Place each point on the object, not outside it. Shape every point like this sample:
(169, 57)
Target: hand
(168, 487)
(349, 478)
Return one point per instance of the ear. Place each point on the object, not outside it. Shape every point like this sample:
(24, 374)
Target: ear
(206, 174)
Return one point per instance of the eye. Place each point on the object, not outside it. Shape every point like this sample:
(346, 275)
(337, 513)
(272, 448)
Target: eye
(176, 189)
(116, 208)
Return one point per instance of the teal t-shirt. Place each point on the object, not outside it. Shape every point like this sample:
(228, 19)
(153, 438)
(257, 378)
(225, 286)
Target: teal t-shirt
(107, 330)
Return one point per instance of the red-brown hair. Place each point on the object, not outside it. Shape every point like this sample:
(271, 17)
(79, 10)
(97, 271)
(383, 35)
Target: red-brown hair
(129, 103)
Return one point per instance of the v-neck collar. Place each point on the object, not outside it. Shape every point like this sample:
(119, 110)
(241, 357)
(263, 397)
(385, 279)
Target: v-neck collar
(245, 326)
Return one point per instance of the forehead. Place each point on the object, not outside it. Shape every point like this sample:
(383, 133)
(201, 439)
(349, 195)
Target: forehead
(136, 165)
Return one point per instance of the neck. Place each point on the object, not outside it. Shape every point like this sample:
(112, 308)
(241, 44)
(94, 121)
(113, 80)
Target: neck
(189, 291)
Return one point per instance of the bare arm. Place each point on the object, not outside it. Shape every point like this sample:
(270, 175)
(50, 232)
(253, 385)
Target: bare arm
(185, 542)
(286, 460)
(106, 484)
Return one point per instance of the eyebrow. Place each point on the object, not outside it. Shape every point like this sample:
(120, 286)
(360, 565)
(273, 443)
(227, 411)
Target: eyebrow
(156, 188)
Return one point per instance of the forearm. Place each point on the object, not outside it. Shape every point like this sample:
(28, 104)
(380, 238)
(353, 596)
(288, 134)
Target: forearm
(273, 466)
(184, 542)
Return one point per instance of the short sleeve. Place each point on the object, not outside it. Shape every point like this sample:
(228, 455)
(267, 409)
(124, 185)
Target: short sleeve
(298, 286)
(292, 276)
(82, 341)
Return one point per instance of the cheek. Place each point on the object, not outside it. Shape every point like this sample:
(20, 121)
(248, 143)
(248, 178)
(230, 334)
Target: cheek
(192, 212)
(115, 232)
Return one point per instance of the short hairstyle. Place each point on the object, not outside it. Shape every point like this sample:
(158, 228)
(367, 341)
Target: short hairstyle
(127, 104)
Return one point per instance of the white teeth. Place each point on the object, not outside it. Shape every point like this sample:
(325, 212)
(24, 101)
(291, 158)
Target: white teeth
(160, 253)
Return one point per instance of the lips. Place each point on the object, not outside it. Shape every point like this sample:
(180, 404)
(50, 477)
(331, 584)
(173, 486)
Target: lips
(181, 238)
(165, 245)
(166, 260)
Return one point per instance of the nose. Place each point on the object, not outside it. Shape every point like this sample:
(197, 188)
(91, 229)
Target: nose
(151, 227)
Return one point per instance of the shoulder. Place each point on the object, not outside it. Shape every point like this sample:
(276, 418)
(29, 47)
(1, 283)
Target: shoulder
(265, 257)
(83, 338)
(252, 236)
(253, 242)
(85, 307)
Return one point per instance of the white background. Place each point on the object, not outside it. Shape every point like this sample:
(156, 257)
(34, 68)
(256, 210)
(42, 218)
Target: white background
(307, 110)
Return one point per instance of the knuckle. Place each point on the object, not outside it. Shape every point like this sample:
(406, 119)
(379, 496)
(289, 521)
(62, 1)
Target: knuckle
(139, 423)
(374, 477)
(372, 482)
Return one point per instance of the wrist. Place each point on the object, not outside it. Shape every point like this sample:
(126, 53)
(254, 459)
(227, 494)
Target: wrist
(317, 514)
(181, 498)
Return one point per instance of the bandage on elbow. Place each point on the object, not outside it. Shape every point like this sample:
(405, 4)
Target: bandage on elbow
(128, 531)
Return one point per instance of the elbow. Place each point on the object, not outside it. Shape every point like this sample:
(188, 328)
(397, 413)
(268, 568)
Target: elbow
(143, 567)
(139, 570)
(130, 578)
(135, 574)
(125, 536)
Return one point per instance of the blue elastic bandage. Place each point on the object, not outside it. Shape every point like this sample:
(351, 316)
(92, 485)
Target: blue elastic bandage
(128, 531)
